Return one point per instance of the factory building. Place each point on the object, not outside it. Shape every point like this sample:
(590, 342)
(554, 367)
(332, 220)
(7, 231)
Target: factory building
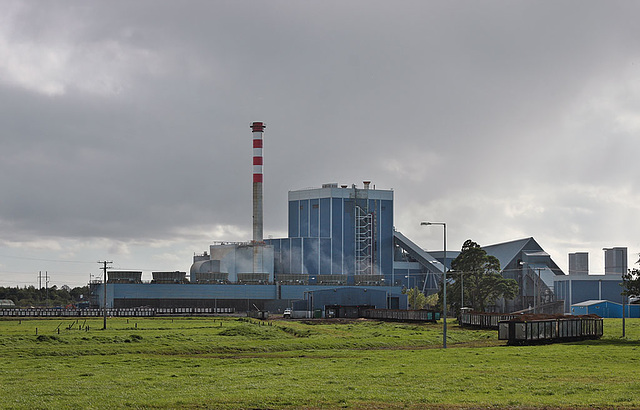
(345, 236)
(581, 287)
(342, 245)
(527, 263)
(340, 237)
(337, 235)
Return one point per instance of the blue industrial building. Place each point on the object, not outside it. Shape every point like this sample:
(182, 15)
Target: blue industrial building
(346, 236)
(578, 288)
(338, 234)
(581, 287)
(605, 308)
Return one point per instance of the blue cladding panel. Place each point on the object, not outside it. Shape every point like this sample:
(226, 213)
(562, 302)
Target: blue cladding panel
(399, 274)
(348, 237)
(296, 255)
(560, 289)
(611, 291)
(325, 256)
(285, 255)
(207, 292)
(325, 218)
(277, 259)
(584, 290)
(579, 310)
(336, 236)
(299, 291)
(314, 218)
(294, 215)
(385, 248)
(166, 291)
(304, 218)
(608, 309)
(311, 253)
(348, 296)
(374, 208)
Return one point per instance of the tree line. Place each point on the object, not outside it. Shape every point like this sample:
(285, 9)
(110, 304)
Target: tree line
(53, 296)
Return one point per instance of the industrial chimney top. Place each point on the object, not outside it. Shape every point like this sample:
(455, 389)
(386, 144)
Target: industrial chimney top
(258, 126)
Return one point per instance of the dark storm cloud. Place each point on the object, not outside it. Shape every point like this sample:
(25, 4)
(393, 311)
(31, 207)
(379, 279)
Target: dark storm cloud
(129, 120)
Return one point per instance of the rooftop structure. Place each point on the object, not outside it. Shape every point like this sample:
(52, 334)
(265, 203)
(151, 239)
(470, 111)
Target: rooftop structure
(615, 261)
(579, 263)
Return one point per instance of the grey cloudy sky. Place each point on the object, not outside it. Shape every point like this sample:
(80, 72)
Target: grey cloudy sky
(125, 125)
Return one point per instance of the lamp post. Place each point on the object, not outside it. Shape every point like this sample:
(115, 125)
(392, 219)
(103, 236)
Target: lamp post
(444, 282)
(461, 290)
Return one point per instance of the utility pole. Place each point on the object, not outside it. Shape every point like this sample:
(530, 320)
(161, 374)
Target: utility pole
(104, 286)
(46, 285)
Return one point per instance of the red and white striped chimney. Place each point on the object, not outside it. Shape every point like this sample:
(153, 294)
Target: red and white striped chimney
(258, 129)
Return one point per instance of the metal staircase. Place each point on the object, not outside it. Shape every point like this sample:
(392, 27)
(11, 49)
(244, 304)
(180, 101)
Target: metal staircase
(364, 241)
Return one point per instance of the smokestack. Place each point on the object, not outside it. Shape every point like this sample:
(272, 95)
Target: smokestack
(258, 128)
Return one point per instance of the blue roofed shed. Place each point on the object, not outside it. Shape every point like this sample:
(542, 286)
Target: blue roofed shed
(605, 308)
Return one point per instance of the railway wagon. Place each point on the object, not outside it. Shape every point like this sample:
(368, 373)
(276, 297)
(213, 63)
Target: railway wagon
(422, 315)
(521, 331)
(483, 320)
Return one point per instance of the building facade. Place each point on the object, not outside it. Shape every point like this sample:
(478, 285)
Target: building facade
(337, 235)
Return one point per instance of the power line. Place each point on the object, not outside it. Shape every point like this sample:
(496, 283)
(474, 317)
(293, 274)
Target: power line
(43, 260)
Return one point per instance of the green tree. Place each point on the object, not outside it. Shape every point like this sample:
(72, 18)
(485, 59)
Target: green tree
(432, 301)
(30, 296)
(480, 273)
(631, 282)
(417, 299)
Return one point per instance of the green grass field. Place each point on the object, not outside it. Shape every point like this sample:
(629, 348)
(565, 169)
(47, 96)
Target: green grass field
(241, 363)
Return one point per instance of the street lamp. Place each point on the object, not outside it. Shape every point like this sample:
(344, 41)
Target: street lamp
(461, 290)
(444, 283)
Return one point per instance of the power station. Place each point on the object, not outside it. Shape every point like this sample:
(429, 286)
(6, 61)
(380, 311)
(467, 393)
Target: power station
(342, 248)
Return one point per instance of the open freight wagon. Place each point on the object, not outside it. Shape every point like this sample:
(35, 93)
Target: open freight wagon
(523, 330)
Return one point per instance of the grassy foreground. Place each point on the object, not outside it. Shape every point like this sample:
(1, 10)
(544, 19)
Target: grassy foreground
(240, 363)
